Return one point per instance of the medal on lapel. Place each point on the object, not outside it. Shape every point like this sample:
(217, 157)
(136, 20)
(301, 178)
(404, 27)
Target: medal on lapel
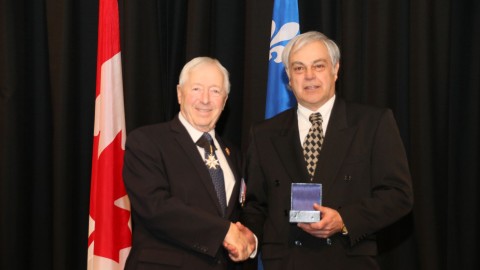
(212, 161)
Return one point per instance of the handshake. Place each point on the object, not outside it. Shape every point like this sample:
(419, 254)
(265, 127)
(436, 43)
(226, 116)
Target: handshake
(239, 242)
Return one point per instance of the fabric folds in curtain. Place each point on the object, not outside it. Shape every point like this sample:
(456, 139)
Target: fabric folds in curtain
(419, 58)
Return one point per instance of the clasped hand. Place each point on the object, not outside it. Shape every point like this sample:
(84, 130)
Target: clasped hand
(239, 242)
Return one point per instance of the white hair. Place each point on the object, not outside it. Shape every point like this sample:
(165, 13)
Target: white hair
(301, 40)
(204, 60)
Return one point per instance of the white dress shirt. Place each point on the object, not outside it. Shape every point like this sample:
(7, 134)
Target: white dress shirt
(303, 115)
(227, 171)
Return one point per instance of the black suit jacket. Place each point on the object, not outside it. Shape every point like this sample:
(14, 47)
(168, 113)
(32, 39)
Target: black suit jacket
(176, 216)
(365, 176)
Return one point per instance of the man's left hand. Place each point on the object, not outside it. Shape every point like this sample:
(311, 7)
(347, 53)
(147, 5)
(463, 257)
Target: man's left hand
(330, 223)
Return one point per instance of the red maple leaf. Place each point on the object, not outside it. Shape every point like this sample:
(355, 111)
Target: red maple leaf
(111, 233)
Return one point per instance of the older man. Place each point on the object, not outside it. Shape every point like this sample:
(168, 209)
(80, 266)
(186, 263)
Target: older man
(183, 182)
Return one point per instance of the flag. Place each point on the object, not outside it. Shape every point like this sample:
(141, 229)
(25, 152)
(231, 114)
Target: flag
(109, 233)
(285, 26)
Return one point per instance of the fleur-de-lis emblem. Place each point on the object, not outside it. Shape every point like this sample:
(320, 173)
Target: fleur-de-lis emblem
(286, 32)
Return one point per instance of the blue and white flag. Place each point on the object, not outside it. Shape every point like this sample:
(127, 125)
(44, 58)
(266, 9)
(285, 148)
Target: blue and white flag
(285, 26)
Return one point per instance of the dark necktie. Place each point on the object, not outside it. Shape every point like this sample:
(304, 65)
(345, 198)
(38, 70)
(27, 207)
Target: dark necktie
(313, 143)
(213, 166)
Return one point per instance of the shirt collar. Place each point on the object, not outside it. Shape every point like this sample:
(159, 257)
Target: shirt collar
(194, 133)
(324, 110)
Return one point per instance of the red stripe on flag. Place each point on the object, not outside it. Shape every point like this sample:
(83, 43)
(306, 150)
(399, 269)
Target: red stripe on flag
(108, 34)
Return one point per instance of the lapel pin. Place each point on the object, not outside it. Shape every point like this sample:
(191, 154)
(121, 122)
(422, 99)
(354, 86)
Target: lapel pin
(227, 151)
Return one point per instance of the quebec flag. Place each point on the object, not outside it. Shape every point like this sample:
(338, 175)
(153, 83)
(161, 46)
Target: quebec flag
(285, 26)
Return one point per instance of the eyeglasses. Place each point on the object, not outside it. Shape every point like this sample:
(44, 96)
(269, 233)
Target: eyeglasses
(299, 68)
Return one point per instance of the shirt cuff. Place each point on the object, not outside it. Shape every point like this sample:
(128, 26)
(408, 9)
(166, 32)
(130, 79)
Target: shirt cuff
(254, 253)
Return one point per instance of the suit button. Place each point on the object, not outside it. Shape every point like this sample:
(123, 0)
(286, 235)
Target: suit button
(277, 183)
(329, 241)
(347, 178)
(298, 243)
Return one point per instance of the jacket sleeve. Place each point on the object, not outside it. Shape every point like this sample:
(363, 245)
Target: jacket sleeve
(391, 195)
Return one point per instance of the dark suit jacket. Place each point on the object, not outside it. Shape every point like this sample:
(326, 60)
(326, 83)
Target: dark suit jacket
(365, 176)
(177, 221)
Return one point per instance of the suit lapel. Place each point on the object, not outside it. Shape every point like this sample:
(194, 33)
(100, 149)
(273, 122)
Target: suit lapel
(287, 145)
(232, 162)
(191, 152)
(336, 144)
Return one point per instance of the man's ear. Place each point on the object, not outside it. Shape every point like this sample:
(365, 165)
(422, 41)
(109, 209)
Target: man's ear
(179, 93)
(225, 102)
(289, 85)
(336, 69)
(288, 74)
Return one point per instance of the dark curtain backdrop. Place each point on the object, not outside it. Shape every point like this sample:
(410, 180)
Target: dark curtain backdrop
(420, 57)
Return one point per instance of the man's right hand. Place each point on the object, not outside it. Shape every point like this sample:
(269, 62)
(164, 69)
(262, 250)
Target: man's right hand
(239, 242)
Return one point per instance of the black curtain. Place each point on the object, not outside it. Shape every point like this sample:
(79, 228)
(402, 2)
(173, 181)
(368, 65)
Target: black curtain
(420, 57)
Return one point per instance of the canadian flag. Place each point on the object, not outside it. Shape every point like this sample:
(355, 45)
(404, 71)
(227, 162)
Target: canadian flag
(110, 230)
